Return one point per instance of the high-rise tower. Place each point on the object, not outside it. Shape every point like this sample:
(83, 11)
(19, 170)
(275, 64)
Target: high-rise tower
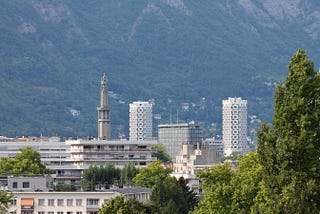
(103, 111)
(140, 121)
(234, 127)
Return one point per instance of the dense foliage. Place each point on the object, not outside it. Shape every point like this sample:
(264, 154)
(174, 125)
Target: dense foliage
(168, 195)
(161, 153)
(102, 177)
(27, 162)
(283, 176)
(5, 200)
(118, 205)
(290, 151)
(152, 175)
(65, 188)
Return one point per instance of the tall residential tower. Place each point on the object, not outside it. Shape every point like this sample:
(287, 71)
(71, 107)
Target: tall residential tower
(234, 127)
(140, 121)
(103, 111)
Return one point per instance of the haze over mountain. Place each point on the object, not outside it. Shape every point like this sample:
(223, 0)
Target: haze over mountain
(179, 53)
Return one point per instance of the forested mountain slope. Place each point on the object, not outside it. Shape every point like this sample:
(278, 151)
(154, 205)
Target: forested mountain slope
(53, 54)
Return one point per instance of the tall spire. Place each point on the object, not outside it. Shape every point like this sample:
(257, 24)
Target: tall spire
(103, 111)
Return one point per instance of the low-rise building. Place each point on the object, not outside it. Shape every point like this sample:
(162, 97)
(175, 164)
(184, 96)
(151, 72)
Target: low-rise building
(34, 195)
(70, 202)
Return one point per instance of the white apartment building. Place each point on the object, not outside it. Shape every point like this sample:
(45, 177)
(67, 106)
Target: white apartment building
(234, 125)
(84, 153)
(140, 121)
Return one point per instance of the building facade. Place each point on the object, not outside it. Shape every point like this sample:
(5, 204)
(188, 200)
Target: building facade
(140, 121)
(234, 125)
(173, 136)
(70, 202)
(84, 153)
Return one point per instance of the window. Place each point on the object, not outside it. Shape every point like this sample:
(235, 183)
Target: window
(59, 212)
(93, 202)
(79, 202)
(50, 212)
(41, 212)
(15, 185)
(41, 202)
(78, 212)
(50, 202)
(14, 202)
(60, 202)
(25, 184)
(69, 202)
(69, 212)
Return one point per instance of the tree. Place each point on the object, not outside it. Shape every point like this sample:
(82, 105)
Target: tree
(168, 193)
(151, 175)
(27, 162)
(246, 183)
(97, 177)
(128, 172)
(289, 152)
(174, 195)
(5, 199)
(118, 205)
(161, 153)
(65, 188)
(216, 184)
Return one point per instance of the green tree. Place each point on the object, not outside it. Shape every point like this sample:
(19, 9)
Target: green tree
(128, 172)
(151, 175)
(161, 153)
(231, 191)
(218, 190)
(5, 199)
(27, 162)
(118, 205)
(65, 188)
(174, 195)
(97, 177)
(246, 183)
(290, 151)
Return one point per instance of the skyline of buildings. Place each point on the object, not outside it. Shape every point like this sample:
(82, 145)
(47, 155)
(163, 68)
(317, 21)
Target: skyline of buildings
(184, 143)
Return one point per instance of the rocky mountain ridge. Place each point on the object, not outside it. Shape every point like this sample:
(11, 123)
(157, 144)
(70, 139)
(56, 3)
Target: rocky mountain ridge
(175, 52)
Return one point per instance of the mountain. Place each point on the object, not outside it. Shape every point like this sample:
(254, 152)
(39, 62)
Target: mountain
(186, 56)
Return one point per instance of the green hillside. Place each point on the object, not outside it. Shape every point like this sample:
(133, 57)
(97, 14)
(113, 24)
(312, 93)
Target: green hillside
(53, 54)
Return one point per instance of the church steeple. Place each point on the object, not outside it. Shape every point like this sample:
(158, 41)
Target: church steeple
(103, 111)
